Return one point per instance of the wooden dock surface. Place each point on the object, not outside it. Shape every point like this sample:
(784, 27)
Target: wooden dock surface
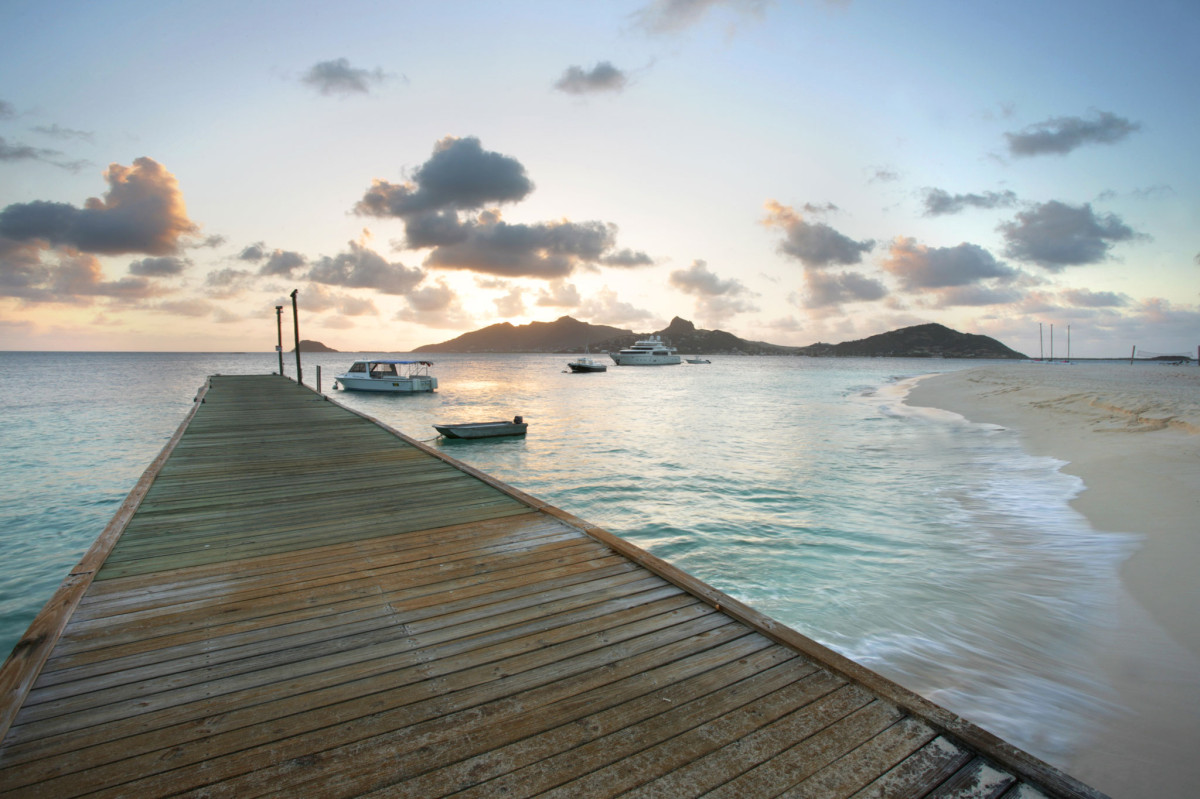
(298, 601)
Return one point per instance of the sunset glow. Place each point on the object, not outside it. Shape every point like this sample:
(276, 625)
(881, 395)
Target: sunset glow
(791, 172)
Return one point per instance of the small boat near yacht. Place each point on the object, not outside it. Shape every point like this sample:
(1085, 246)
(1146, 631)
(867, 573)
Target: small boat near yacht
(387, 374)
(698, 359)
(652, 351)
(517, 427)
(586, 364)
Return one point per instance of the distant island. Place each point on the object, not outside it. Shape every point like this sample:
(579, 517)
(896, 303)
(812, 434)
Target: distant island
(314, 346)
(568, 335)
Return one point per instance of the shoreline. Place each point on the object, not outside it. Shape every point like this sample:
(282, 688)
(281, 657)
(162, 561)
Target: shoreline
(1132, 434)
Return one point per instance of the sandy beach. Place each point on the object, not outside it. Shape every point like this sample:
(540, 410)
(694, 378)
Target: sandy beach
(1132, 434)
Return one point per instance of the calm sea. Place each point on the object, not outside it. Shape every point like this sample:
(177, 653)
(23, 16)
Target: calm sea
(930, 549)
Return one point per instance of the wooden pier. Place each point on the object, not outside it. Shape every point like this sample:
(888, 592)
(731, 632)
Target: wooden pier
(297, 600)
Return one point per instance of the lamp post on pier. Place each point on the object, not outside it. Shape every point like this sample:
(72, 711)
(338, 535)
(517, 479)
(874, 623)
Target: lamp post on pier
(296, 325)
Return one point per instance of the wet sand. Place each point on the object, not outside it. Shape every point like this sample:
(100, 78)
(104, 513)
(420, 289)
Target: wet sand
(1132, 434)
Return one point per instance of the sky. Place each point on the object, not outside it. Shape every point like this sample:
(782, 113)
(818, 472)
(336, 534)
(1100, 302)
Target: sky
(791, 172)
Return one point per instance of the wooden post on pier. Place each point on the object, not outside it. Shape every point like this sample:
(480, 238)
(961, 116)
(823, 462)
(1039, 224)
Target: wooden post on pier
(279, 334)
(1132, 352)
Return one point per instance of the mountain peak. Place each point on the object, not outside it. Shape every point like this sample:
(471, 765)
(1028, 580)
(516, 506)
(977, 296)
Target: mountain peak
(679, 327)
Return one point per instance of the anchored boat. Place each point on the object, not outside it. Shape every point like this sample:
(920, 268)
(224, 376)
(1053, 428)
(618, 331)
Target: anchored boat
(586, 364)
(516, 427)
(652, 351)
(387, 374)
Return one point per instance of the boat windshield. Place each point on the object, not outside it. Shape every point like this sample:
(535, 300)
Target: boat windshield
(383, 370)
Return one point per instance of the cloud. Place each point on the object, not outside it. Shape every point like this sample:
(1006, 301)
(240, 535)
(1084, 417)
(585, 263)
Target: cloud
(829, 290)
(784, 324)
(559, 294)
(24, 152)
(193, 307)
(627, 258)
(208, 242)
(57, 132)
(939, 202)
(1061, 135)
(7, 111)
(603, 77)
(142, 212)
(433, 229)
(698, 280)
(716, 299)
(365, 269)
(814, 244)
(919, 267)
(75, 278)
(435, 305)
(494, 283)
(338, 77)
(546, 250)
(1086, 298)
(253, 252)
(162, 266)
(604, 308)
(1156, 192)
(21, 271)
(460, 175)
(1055, 235)
(279, 262)
(672, 16)
(883, 174)
(977, 294)
(225, 283)
(512, 303)
(318, 299)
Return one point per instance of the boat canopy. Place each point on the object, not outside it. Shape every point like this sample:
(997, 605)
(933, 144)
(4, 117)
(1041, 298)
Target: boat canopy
(389, 360)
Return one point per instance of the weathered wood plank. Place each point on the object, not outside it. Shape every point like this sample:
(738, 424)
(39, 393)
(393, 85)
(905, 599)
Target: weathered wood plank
(977, 780)
(641, 613)
(919, 773)
(452, 591)
(496, 761)
(863, 764)
(272, 754)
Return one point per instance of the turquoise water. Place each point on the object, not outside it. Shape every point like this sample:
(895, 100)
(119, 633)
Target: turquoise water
(930, 549)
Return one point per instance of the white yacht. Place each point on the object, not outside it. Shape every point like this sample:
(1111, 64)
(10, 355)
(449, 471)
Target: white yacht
(652, 351)
(382, 375)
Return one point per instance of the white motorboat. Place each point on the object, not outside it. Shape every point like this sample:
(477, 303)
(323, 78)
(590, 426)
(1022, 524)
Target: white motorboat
(698, 359)
(586, 364)
(652, 351)
(385, 374)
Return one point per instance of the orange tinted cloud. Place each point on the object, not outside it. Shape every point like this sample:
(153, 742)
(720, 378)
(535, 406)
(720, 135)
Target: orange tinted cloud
(142, 212)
